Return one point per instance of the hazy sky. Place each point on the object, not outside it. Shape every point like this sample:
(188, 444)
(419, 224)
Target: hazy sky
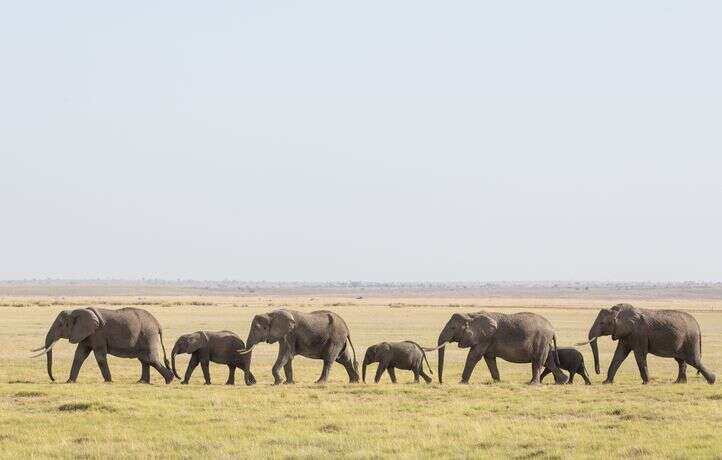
(361, 140)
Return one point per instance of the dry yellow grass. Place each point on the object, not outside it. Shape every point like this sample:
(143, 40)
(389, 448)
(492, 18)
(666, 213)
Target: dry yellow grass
(509, 419)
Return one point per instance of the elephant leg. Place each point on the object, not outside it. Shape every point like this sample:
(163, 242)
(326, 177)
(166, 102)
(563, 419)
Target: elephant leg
(248, 376)
(585, 376)
(641, 358)
(191, 367)
(332, 355)
(380, 371)
(571, 377)
(544, 373)
(493, 369)
(424, 376)
(416, 375)
(709, 376)
(284, 356)
(682, 373)
(81, 353)
(536, 369)
(345, 358)
(144, 372)
(392, 374)
(288, 370)
(620, 354)
(472, 358)
(206, 371)
(101, 356)
(231, 375)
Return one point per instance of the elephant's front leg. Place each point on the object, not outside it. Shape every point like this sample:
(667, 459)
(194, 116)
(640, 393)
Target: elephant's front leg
(493, 369)
(231, 375)
(284, 356)
(206, 371)
(641, 357)
(192, 364)
(288, 370)
(392, 374)
(81, 353)
(472, 358)
(380, 371)
(620, 354)
(101, 356)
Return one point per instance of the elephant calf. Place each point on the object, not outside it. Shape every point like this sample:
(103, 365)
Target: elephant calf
(570, 359)
(217, 346)
(405, 355)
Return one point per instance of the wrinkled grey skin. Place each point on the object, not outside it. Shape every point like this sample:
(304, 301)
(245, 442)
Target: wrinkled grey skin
(218, 346)
(126, 333)
(517, 338)
(318, 335)
(666, 333)
(406, 355)
(570, 359)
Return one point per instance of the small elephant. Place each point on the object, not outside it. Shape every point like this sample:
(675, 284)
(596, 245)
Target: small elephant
(405, 355)
(517, 338)
(570, 359)
(665, 333)
(319, 334)
(125, 332)
(218, 346)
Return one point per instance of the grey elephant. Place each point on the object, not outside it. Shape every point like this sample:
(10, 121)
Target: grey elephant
(319, 335)
(570, 359)
(218, 346)
(126, 333)
(517, 338)
(405, 355)
(666, 333)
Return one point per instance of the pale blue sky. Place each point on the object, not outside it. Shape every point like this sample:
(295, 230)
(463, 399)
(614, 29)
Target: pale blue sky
(361, 140)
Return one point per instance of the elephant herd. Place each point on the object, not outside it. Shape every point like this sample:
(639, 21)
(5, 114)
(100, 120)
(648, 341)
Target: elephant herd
(517, 338)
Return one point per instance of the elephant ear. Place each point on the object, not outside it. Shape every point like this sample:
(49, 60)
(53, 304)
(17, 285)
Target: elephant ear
(85, 322)
(282, 323)
(195, 341)
(627, 319)
(484, 325)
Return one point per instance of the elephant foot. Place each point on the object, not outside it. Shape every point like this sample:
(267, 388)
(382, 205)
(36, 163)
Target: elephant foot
(289, 382)
(464, 382)
(645, 382)
(184, 382)
(207, 383)
(608, 382)
(534, 383)
(230, 383)
(680, 381)
(321, 382)
(70, 381)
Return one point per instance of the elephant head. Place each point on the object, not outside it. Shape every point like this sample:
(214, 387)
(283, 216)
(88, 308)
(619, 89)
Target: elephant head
(618, 321)
(188, 343)
(467, 330)
(75, 325)
(373, 355)
(270, 328)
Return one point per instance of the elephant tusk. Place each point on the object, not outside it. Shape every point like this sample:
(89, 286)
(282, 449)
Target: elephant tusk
(436, 348)
(44, 350)
(585, 343)
(37, 349)
(247, 350)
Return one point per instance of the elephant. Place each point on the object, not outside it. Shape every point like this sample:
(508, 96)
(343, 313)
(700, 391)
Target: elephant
(319, 334)
(126, 333)
(405, 355)
(217, 346)
(570, 359)
(517, 338)
(666, 333)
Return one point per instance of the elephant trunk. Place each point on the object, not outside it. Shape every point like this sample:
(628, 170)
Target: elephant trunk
(443, 337)
(172, 359)
(367, 361)
(593, 334)
(49, 341)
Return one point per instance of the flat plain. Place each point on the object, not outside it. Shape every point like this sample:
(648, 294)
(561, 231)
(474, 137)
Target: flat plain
(481, 420)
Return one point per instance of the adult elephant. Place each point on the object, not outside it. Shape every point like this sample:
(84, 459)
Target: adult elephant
(319, 335)
(517, 338)
(666, 333)
(126, 333)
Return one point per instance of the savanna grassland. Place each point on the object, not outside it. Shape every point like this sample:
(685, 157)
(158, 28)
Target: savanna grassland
(506, 420)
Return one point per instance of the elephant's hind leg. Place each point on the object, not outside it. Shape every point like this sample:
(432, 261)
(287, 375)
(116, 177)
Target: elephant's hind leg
(544, 374)
(706, 373)
(346, 360)
(144, 372)
(682, 373)
(424, 376)
(585, 376)
(535, 373)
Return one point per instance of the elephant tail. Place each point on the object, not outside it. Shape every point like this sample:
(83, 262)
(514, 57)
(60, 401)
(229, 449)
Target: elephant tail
(165, 357)
(556, 353)
(423, 353)
(355, 363)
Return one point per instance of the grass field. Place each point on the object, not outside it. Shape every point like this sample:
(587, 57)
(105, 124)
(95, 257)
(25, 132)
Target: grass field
(509, 420)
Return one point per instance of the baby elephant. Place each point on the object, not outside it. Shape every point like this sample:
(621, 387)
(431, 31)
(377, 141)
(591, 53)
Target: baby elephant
(570, 359)
(217, 346)
(403, 355)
